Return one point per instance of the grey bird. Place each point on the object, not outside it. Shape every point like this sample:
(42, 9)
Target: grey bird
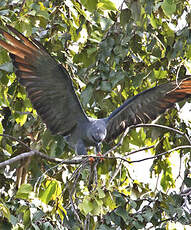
(50, 89)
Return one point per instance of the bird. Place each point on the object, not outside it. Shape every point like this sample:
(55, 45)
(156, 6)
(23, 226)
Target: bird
(50, 89)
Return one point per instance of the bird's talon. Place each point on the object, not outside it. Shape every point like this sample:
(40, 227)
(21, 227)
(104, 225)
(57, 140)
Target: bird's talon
(101, 157)
(91, 160)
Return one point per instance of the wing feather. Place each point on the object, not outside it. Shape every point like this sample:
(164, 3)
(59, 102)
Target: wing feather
(47, 83)
(146, 106)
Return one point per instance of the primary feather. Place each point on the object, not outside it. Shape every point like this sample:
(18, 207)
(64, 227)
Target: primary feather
(48, 84)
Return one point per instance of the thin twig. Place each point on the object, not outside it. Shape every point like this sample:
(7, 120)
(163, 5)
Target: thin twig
(95, 174)
(141, 149)
(79, 161)
(74, 188)
(162, 221)
(91, 176)
(74, 209)
(144, 159)
(87, 222)
(161, 154)
(158, 126)
(39, 180)
(15, 139)
(178, 71)
(116, 172)
(22, 5)
(162, 127)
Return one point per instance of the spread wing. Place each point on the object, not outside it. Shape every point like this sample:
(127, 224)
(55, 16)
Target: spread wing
(47, 83)
(146, 106)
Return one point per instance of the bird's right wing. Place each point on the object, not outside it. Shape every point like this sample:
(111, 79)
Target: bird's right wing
(146, 106)
(47, 83)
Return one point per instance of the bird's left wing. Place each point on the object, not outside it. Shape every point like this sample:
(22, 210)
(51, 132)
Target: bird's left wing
(47, 83)
(146, 106)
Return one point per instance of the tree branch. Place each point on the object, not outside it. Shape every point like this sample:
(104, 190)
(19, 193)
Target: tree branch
(39, 154)
(81, 158)
(162, 127)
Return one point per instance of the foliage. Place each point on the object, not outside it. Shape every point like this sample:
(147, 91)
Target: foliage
(112, 54)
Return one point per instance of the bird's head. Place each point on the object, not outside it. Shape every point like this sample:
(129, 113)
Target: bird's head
(97, 131)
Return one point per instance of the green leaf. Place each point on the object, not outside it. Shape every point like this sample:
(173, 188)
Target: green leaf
(148, 214)
(24, 191)
(122, 213)
(125, 16)
(136, 10)
(98, 205)
(104, 227)
(43, 14)
(90, 5)
(37, 215)
(46, 196)
(86, 95)
(8, 67)
(169, 7)
(1, 132)
(101, 193)
(21, 119)
(26, 217)
(61, 211)
(159, 74)
(105, 86)
(86, 206)
(110, 201)
(187, 182)
(137, 80)
(5, 211)
(106, 5)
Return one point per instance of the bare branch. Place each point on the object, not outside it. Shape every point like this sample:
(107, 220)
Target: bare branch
(71, 195)
(77, 175)
(42, 155)
(161, 154)
(144, 159)
(141, 149)
(80, 160)
(93, 174)
(157, 126)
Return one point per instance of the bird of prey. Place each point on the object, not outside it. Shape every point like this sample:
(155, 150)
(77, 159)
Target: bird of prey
(50, 89)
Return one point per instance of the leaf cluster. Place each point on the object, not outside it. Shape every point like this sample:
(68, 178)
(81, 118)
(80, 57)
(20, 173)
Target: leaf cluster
(111, 54)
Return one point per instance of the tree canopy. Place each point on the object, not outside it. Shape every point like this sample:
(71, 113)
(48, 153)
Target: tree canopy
(143, 179)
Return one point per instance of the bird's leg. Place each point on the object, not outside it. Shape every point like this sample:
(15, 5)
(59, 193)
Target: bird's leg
(80, 148)
(98, 151)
